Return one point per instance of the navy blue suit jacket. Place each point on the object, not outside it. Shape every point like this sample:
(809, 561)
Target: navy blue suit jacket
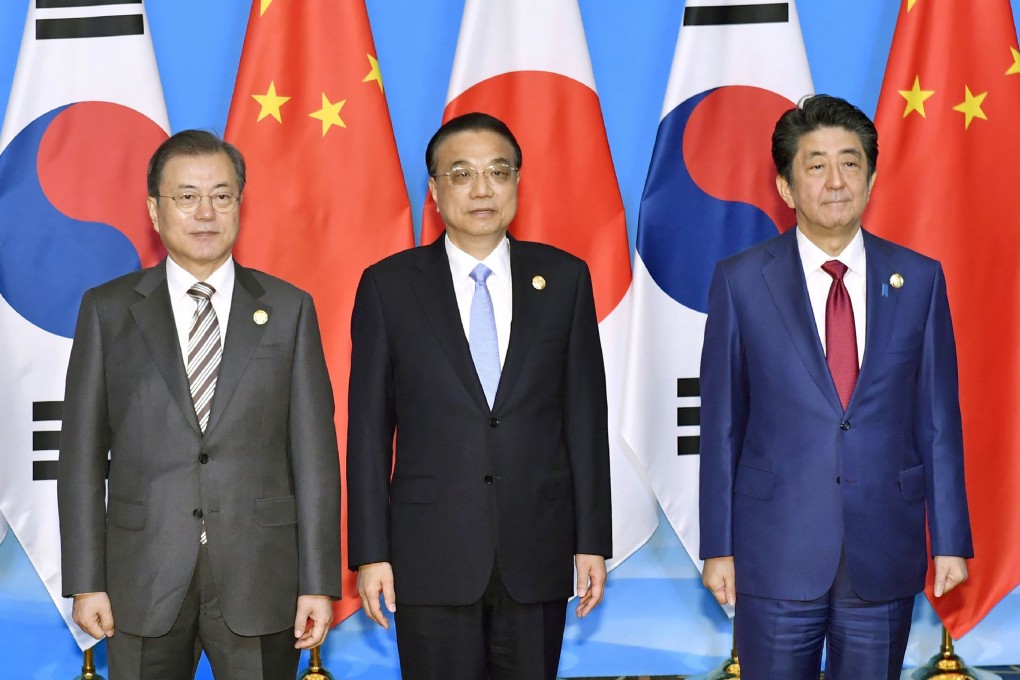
(788, 477)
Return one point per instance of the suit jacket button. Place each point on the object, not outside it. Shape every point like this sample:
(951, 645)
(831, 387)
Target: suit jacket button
(204, 458)
(197, 513)
(488, 479)
(845, 425)
(493, 422)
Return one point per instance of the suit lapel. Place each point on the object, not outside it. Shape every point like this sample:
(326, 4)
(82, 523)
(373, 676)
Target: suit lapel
(784, 276)
(528, 305)
(155, 319)
(881, 311)
(436, 298)
(243, 334)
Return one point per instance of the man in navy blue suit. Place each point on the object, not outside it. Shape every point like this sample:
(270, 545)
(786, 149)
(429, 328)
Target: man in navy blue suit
(830, 422)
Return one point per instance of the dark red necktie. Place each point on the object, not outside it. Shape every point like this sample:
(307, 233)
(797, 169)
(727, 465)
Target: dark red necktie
(840, 333)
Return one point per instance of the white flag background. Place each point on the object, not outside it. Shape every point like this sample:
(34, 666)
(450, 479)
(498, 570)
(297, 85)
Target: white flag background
(526, 62)
(86, 110)
(709, 194)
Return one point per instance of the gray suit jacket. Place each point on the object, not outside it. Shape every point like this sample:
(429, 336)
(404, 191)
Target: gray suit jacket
(264, 477)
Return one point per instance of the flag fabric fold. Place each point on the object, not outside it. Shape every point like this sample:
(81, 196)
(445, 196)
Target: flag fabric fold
(325, 196)
(946, 118)
(710, 193)
(527, 63)
(86, 110)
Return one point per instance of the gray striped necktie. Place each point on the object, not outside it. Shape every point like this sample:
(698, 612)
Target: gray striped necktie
(204, 351)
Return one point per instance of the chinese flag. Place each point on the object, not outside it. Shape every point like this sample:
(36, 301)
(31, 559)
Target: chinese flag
(526, 62)
(325, 195)
(946, 186)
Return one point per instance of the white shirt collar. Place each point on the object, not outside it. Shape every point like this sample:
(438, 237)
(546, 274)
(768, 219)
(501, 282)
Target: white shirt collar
(179, 280)
(812, 257)
(462, 264)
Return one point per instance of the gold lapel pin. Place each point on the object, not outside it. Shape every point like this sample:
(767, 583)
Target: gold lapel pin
(896, 281)
(538, 282)
(260, 317)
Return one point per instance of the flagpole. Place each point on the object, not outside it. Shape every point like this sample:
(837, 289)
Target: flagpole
(88, 667)
(315, 671)
(946, 664)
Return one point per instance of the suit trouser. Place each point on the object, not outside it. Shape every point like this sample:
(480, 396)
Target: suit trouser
(782, 639)
(200, 627)
(495, 638)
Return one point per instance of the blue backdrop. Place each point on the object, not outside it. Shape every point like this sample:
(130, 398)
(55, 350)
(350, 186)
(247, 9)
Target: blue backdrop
(656, 619)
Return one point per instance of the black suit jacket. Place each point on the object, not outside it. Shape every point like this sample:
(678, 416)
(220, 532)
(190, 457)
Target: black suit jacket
(265, 475)
(526, 482)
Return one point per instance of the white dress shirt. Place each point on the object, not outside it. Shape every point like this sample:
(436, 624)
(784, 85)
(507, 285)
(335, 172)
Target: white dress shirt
(499, 283)
(179, 280)
(818, 283)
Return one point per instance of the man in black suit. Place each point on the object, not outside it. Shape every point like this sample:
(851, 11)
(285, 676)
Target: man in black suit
(482, 354)
(206, 383)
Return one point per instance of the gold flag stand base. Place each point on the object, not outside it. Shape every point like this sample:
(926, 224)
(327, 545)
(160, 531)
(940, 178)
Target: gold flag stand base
(315, 671)
(730, 669)
(945, 665)
(88, 667)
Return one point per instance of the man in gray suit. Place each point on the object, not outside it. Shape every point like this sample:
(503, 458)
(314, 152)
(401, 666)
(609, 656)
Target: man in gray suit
(206, 384)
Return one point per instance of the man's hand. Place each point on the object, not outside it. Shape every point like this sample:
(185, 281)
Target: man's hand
(316, 610)
(375, 579)
(93, 614)
(950, 572)
(591, 582)
(718, 576)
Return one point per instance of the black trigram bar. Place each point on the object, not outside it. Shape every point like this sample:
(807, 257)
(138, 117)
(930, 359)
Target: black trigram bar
(47, 440)
(722, 15)
(688, 415)
(89, 27)
(55, 4)
(47, 410)
(44, 470)
(688, 387)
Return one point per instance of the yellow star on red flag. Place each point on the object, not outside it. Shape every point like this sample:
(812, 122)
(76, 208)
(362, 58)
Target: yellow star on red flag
(270, 103)
(375, 74)
(971, 106)
(1014, 68)
(264, 6)
(915, 98)
(329, 114)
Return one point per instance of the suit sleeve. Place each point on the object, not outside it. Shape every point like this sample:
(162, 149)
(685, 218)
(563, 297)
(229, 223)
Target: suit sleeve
(939, 430)
(724, 403)
(371, 425)
(84, 444)
(586, 426)
(315, 461)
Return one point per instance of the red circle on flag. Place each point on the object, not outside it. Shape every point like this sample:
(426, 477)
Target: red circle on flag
(568, 193)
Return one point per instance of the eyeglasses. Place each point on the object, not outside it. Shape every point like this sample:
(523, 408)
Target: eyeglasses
(498, 175)
(188, 201)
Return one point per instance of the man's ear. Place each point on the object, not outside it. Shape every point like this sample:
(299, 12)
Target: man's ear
(785, 191)
(152, 203)
(432, 191)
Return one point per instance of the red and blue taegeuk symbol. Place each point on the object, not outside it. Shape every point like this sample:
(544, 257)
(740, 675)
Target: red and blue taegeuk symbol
(72, 208)
(711, 188)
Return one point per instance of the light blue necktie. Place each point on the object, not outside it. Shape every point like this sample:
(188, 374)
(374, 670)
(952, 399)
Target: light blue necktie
(482, 334)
